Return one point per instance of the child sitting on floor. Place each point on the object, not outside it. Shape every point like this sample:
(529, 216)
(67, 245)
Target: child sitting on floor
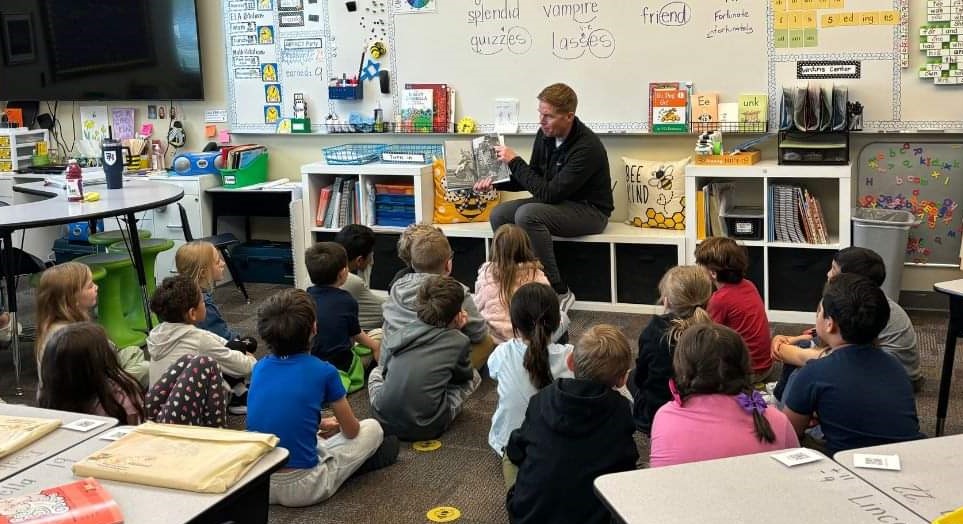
(179, 303)
(338, 326)
(66, 294)
(685, 292)
(527, 363)
(288, 390)
(575, 430)
(736, 302)
(512, 265)
(425, 375)
(83, 376)
(358, 241)
(861, 394)
(713, 395)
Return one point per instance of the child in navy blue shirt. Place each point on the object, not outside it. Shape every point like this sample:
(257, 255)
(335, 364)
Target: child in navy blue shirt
(289, 387)
(861, 394)
(338, 325)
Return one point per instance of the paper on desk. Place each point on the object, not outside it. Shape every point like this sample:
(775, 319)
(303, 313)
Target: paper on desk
(867, 460)
(795, 457)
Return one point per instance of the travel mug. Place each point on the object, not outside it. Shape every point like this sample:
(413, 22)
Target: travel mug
(112, 156)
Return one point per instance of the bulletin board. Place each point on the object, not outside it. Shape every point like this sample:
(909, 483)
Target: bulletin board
(608, 50)
(925, 179)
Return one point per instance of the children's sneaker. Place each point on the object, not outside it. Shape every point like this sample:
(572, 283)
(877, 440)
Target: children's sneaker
(566, 300)
(386, 455)
(238, 404)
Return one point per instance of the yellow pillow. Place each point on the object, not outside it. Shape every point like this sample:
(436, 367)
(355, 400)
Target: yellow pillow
(457, 206)
(656, 193)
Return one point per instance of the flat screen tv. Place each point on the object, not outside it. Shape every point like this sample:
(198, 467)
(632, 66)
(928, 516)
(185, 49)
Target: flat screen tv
(100, 50)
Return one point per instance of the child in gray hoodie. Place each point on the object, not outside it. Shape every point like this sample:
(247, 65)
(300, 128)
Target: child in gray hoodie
(431, 255)
(179, 303)
(425, 374)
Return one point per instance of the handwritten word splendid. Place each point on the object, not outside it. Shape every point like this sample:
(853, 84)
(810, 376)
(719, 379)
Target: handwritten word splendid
(484, 13)
(670, 14)
(581, 12)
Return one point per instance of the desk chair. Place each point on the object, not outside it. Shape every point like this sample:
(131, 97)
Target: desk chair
(223, 242)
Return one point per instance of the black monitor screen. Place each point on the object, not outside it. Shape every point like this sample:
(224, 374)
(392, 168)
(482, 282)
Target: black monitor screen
(100, 50)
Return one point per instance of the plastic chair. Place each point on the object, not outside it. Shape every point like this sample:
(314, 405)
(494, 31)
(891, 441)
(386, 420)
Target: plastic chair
(110, 303)
(223, 242)
(130, 296)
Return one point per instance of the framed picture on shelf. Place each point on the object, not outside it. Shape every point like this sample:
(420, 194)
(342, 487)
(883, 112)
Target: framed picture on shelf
(18, 40)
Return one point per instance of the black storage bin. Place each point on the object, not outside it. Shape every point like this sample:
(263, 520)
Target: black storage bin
(66, 250)
(639, 268)
(585, 268)
(798, 276)
(386, 261)
(469, 256)
(743, 222)
(757, 268)
(264, 261)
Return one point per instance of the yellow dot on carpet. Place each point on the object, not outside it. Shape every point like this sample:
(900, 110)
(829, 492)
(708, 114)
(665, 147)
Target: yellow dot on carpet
(443, 514)
(426, 445)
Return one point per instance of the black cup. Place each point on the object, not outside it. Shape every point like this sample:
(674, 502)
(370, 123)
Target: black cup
(112, 154)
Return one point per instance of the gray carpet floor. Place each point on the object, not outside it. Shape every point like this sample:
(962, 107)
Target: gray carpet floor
(465, 473)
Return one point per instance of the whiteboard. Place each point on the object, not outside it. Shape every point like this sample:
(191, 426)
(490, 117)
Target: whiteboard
(607, 50)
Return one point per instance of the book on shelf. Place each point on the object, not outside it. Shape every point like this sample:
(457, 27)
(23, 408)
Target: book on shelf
(441, 109)
(705, 112)
(417, 110)
(717, 196)
(467, 162)
(83, 501)
(324, 198)
(753, 112)
(796, 216)
(668, 107)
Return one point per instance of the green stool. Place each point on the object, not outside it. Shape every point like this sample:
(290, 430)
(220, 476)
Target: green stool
(110, 308)
(105, 238)
(130, 294)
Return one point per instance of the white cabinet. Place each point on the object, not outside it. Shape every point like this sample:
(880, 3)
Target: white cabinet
(790, 276)
(17, 147)
(165, 222)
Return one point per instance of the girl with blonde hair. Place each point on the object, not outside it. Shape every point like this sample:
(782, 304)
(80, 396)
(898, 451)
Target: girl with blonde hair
(65, 295)
(512, 265)
(685, 291)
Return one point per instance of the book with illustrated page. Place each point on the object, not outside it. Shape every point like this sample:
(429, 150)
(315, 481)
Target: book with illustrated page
(468, 162)
(81, 502)
(668, 107)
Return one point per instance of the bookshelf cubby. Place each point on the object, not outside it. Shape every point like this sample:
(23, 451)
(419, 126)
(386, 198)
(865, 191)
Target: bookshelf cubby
(789, 275)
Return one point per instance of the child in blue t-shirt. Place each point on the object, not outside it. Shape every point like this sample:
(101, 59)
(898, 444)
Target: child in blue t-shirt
(339, 327)
(289, 387)
(861, 394)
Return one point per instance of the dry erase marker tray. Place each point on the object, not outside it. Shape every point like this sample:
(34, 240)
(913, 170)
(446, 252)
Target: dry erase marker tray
(744, 158)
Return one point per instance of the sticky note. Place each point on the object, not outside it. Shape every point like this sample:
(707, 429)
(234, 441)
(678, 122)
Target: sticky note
(888, 17)
(847, 19)
(780, 38)
(836, 4)
(866, 18)
(824, 4)
(831, 20)
(210, 131)
(809, 19)
(224, 137)
(780, 21)
(778, 5)
(810, 37)
(147, 129)
(794, 4)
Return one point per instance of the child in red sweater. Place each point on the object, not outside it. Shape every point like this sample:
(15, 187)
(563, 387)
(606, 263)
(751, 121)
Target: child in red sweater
(736, 302)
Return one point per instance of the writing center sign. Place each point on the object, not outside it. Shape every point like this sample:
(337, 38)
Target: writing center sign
(812, 69)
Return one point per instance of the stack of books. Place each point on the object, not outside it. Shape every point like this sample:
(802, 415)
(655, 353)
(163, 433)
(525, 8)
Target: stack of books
(339, 204)
(711, 200)
(797, 216)
(427, 108)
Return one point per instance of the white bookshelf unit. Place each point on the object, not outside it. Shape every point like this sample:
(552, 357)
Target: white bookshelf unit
(16, 147)
(790, 276)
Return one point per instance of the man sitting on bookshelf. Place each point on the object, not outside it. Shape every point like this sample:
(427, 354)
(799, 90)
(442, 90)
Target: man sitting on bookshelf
(568, 177)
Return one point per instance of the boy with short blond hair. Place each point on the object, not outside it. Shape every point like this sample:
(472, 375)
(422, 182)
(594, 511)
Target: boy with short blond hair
(575, 430)
(430, 255)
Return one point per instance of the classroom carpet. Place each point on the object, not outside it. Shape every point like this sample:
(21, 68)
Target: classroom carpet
(465, 473)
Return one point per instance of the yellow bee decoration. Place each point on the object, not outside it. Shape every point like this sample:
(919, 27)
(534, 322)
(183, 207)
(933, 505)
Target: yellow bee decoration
(466, 125)
(377, 50)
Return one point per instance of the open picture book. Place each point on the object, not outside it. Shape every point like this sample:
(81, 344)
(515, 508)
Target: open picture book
(467, 162)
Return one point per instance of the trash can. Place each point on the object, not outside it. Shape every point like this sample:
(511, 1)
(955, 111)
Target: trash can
(885, 231)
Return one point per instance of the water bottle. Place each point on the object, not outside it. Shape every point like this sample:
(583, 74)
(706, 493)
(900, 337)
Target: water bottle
(75, 182)
(112, 153)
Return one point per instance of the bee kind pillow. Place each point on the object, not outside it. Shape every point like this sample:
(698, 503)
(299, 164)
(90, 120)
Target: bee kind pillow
(656, 194)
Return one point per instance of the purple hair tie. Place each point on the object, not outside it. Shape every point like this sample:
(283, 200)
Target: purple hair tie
(752, 402)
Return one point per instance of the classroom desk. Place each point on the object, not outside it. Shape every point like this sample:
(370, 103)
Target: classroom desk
(930, 477)
(247, 202)
(954, 290)
(50, 444)
(54, 209)
(245, 502)
(750, 488)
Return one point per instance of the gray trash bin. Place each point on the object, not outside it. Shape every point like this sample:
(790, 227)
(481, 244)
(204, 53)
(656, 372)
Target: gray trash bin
(886, 232)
